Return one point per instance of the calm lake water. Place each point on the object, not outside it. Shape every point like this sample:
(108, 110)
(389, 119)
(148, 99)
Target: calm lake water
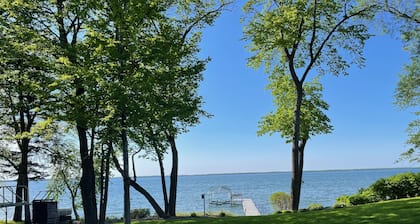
(321, 187)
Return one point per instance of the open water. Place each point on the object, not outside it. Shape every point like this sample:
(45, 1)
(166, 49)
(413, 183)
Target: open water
(321, 187)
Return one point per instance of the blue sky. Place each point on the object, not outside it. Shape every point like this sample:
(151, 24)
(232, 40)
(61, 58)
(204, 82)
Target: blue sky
(369, 130)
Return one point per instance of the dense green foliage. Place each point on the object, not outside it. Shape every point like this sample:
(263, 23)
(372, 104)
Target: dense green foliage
(280, 201)
(313, 119)
(123, 74)
(402, 185)
(405, 211)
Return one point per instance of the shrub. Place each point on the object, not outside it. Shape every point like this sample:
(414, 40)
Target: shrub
(193, 214)
(222, 214)
(359, 199)
(313, 207)
(342, 201)
(280, 201)
(399, 186)
(140, 213)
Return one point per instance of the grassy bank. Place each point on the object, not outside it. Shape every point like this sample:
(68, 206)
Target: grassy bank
(405, 211)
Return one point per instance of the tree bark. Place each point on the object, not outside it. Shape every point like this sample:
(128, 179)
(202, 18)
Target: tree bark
(149, 198)
(73, 204)
(126, 176)
(174, 177)
(296, 168)
(104, 183)
(163, 181)
(17, 217)
(87, 183)
(140, 189)
(22, 194)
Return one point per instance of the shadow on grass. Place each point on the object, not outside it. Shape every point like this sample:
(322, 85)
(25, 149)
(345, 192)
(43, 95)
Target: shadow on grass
(405, 211)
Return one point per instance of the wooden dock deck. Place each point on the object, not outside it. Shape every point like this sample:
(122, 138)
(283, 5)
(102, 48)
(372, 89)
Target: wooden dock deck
(249, 208)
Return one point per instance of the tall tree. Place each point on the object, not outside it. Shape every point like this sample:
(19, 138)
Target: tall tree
(26, 74)
(291, 38)
(62, 21)
(150, 83)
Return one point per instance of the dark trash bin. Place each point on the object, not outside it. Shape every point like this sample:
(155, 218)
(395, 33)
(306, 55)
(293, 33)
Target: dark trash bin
(44, 212)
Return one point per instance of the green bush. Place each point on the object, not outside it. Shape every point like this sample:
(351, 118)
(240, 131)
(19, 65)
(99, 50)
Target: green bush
(280, 201)
(193, 214)
(313, 207)
(358, 199)
(399, 186)
(222, 214)
(342, 201)
(140, 213)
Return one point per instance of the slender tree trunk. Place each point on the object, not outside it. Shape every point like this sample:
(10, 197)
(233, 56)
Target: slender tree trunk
(87, 183)
(149, 198)
(174, 177)
(163, 181)
(73, 204)
(140, 189)
(104, 183)
(296, 173)
(126, 176)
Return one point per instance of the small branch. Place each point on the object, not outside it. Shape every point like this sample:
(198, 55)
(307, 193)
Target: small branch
(311, 44)
(398, 13)
(133, 164)
(331, 32)
(192, 25)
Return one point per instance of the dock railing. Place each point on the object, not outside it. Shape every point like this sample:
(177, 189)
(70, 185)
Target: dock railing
(8, 198)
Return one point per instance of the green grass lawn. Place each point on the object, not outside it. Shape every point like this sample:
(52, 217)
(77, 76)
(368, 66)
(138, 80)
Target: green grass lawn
(405, 211)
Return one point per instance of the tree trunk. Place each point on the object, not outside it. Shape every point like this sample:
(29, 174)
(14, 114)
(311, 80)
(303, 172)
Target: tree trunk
(104, 183)
(140, 189)
(163, 181)
(149, 198)
(126, 176)
(296, 168)
(174, 177)
(17, 217)
(22, 194)
(301, 156)
(73, 204)
(87, 183)
(26, 199)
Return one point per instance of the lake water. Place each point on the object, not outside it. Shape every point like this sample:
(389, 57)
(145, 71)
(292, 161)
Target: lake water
(321, 187)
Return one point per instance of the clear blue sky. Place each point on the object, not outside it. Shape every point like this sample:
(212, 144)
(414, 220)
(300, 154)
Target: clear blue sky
(369, 130)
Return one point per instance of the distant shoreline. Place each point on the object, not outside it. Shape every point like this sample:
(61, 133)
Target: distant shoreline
(265, 172)
(268, 172)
